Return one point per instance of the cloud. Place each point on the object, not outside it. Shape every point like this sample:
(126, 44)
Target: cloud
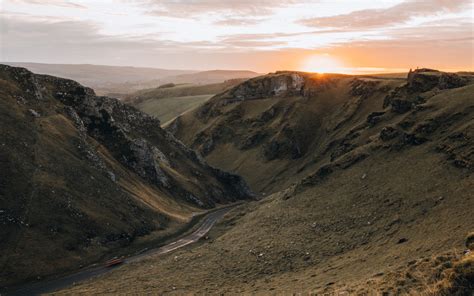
(253, 43)
(230, 8)
(26, 39)
(238, 21)
(59, 3)
(370, 18)
(370, 41)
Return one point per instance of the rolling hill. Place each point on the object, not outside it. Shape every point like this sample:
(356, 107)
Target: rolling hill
(210, 77)
(83, 176)
(120, 81)
(276, 129)
(373, 181)
(100, 76)
(170, 100)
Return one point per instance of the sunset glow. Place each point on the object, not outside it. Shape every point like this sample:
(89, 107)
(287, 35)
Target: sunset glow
(323, 64)
(326, 36)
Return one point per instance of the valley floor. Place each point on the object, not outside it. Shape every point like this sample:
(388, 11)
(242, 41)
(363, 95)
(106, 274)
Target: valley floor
(200, 230)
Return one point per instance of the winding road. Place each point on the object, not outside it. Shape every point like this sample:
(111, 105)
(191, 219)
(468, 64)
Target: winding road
(63, 282)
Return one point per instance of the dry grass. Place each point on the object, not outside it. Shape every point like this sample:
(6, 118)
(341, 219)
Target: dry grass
(168, 102)
(457, 278)
(166, 109)
(319, 240)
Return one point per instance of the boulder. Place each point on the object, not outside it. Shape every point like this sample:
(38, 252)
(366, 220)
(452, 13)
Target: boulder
(422, 80)
(33, 113)
(388, 133)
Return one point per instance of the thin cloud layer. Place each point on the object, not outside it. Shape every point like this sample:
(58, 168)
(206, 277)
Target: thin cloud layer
(60, 3)
(238, 21)
(256, 35)
(370, 18)
(186, 8)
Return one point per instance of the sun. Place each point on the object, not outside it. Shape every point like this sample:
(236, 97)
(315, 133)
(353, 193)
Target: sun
(322, 63)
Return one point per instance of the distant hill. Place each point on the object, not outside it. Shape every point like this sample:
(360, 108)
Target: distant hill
(99, 75)
(120, 81)
(208, 77)
(170, 100)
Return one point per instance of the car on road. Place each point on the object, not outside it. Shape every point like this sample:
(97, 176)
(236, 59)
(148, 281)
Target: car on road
(113, 262)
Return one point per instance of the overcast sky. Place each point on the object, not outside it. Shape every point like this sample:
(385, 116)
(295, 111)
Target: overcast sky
(260, 35)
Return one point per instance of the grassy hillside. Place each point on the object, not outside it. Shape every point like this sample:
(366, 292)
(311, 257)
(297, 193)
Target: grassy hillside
(380, 204)
(276, 129)
(82, 176)
(394, 231)
(167, 109)
(171, 100)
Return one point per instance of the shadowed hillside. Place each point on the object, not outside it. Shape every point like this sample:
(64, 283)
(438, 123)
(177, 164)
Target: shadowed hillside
(82, 175)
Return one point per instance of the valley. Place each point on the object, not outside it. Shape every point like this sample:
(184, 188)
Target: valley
(170, 100)
(205, 147)
(340, 168)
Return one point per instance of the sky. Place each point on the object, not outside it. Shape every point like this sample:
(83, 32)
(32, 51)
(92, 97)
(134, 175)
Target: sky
(347, 36)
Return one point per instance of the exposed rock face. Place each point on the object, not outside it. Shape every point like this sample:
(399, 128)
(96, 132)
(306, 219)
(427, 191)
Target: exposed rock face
(285, 144)
(363, 88)
(282, 84)
(421, 85)
(146, 161)
(375, 117)
(136, 140)
(422, 80)
(82, 175)
(388, 133)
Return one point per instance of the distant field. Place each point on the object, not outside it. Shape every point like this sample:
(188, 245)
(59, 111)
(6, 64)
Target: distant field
(168, 102)
(168, 108)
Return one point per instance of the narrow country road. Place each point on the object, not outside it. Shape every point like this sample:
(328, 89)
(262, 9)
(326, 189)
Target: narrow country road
(60, 283)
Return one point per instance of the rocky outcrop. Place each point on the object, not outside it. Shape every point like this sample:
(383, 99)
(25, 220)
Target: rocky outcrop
(279, 84)
(285, 125)
(422, 80)
(135, 139)
(360, 87)
(285, 144)
(421, 85)
(147, 160)
(83, 175)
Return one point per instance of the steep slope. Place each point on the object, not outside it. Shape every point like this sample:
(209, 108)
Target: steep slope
(384, 210)
(169, 100)
(82, 175)
(275, 129)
